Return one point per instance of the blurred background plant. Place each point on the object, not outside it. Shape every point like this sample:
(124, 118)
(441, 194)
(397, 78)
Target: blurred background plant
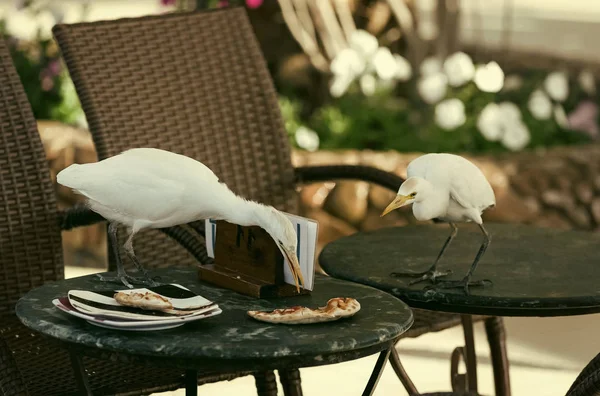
(362, 74)
(26, 27)
(397, 80)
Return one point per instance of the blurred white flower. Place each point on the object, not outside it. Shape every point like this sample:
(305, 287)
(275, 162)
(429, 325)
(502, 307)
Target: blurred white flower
(339, 84)
(364, 43)
(21, 24)
(587, 82)
(361, 60)
(560, 116)
(512, 83)
(450, 114)
(24, 23)
(510, 111)
(489, 78)
(516, 137)
(348, 62)
(45, 20)
(432, 88)
(503, 122)
(489, 122)
(403, 68)
(431, 65)
(557, 85)
(459, 69)
(368, 84)
(385, 64)
(307, 138)
(539, 105)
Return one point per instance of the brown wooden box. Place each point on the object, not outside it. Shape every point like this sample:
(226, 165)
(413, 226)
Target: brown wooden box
(247, 261)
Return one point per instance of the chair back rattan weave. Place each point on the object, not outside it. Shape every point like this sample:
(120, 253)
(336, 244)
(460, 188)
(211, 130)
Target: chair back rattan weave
(194, 83)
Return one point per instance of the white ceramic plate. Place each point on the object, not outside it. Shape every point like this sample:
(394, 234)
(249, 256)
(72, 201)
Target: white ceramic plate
(151, 328)
(184, 301)
(65, 306)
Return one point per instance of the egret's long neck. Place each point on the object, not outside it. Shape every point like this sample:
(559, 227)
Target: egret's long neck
(244, 213)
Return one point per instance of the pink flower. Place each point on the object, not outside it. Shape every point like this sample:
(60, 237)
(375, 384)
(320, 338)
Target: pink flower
(222, 3)
(254, 3)
(167, 3)
(585, 118)
(53, 68)
(47, 83)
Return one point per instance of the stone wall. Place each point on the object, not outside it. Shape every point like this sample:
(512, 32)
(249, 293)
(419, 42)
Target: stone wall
(557, 188)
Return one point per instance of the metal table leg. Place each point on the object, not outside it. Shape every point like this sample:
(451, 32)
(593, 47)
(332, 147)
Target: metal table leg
(80, 375)
(401, 373)
(191, 383)
(494, 328)
(377, 371)
(465, 382)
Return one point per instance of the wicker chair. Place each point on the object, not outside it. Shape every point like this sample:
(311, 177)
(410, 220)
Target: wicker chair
(31, 254)
(177, 82)
(587, 382)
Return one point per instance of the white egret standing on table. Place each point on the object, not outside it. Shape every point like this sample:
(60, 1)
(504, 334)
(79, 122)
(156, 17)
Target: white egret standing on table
(151, 188)
(449, 188)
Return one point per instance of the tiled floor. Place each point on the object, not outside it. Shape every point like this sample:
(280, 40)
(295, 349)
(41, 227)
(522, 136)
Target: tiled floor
(545, 353)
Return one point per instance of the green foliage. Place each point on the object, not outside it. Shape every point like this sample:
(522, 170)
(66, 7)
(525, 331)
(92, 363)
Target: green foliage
(48, 87)
(397, 120)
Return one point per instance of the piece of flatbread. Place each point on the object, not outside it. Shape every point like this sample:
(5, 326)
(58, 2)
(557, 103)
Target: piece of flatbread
(335, 309)
(147, 300)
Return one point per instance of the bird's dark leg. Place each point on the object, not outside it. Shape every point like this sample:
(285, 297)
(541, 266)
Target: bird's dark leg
(146, 280)
(114, 242)
(466, 281)
(432, 273)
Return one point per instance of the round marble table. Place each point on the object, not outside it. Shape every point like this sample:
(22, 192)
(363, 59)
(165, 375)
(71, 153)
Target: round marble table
(231, 341)
(535, 271)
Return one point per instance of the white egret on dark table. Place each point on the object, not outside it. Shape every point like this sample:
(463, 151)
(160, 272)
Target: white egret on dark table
(150, 188)
(451, 189)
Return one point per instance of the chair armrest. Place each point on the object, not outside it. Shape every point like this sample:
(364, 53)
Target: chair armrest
(81, 215)
(310, 174)
(78, 216)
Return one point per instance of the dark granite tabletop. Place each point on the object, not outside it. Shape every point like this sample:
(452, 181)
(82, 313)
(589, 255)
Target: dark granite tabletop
(535, 272)
(232, 339)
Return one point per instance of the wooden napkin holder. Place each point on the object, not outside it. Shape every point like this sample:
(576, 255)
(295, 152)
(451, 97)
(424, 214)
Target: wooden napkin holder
(247, 261)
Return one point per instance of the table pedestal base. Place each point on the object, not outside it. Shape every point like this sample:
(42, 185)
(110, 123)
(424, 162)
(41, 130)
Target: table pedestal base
(467, 382)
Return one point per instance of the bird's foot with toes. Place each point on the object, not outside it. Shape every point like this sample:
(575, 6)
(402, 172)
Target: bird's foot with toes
(464, 284)
(129, 280)
(431, 275)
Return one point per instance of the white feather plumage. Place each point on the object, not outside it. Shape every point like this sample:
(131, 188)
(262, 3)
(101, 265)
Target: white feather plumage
(151, 188)
(460, 190)
(450, 188)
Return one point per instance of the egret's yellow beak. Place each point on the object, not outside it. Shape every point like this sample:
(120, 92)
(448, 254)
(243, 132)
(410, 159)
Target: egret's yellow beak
(398, 202)
(294, 267)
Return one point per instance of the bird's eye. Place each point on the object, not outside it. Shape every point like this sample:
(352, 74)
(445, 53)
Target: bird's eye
(413, 194)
